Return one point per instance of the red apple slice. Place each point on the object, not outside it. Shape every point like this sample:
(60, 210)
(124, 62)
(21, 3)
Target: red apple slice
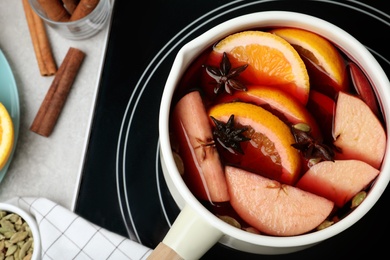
(321, 107)
(358, 132)
(338, 181)
(274, 208)
(206, 176)
(363, 87)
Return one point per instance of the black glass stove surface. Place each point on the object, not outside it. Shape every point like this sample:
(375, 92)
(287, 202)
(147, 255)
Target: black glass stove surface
(121, 188)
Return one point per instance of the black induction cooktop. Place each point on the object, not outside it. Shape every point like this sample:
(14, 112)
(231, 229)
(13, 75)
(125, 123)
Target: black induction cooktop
(121, 187)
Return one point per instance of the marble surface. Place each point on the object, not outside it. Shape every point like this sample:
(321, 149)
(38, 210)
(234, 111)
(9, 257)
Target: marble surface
(48, 166)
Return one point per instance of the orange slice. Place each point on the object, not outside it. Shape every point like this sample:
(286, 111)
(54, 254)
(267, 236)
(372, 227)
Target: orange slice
(271, 135)
(280, 103)
(318, 50)
(6, 135)
(271, 61)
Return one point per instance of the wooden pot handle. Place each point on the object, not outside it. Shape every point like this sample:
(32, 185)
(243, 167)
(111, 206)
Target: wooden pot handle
(162, 252)
(189, 237)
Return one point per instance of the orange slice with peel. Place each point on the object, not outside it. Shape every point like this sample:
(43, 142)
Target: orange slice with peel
(271, 61)
(319, 51)
(271, 135)
(278, 102)
(6, 135)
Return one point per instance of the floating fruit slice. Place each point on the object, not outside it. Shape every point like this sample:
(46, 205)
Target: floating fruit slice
(338, 181)
(320, 56)
(363, 88)
(6, 135)
(278, 102)
(358, 132)
(270, 142)
(274, 208)
(271, 61)
(204, 173)
(322, 107)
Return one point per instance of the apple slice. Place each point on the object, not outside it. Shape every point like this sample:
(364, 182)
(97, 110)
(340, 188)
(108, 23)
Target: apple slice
(205, 174)
(274, 208)
(321, 107)
(363, 87)
(338, 181)
(357, 131)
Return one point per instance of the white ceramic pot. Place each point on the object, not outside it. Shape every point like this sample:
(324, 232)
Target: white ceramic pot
(196, 230)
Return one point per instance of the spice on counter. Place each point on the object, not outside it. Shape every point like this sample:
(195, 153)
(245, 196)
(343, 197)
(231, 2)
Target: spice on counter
(42, 48)
(57, 94)
(70, 5)
(83, 9)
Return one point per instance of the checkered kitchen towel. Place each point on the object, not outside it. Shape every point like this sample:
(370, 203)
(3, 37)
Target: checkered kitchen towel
(65, 235)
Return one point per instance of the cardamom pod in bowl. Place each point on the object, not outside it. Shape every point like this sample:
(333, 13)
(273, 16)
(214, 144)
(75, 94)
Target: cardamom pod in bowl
(19, 234)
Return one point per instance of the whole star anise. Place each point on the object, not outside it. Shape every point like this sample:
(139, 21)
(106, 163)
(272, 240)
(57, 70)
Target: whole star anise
(225, 76)
(310, 147)
(229, 135)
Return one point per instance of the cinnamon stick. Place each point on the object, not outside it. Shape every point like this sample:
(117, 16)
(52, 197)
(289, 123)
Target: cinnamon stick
(57, 94)
(42, 48)
(55, 10)
(83, 9)
(70, 5)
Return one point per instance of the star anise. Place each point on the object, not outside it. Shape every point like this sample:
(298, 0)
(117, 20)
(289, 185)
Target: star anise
(225, 76)
(228, 135)
(310, 147)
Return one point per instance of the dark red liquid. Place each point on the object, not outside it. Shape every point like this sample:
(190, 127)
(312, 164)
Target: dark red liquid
(320, 105)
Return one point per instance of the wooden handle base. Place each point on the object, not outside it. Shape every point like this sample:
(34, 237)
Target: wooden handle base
(162, 252)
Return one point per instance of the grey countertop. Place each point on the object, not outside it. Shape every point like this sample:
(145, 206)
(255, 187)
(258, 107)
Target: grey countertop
(48, 166)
